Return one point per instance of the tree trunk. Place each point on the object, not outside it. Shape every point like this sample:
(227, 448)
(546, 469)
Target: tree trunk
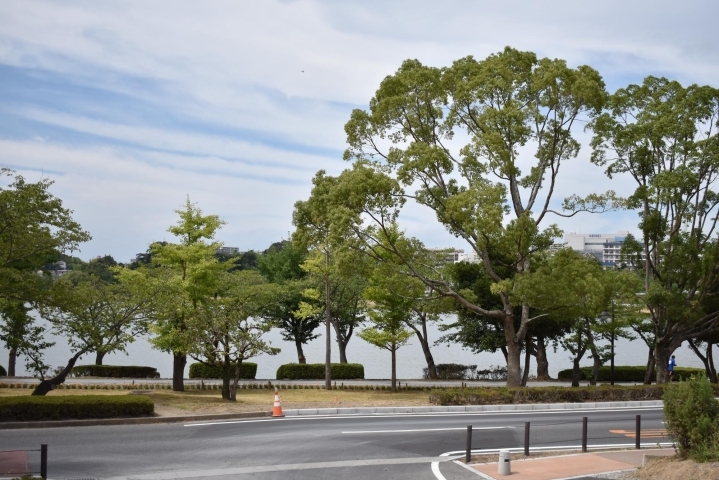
(576, 372)
(49, 384)
(542, 362)
(99, 356)
(710, 359)
(343, 350)
(514, 352)
(235, 381)
(394, 369)
(328, 322)
(661, 362)
(595, 366)
(431, 367)
(226, 375)
(649, 374)
(300, 353)
(12, 360)
(179, 360)
(527, 360)
(707, 360)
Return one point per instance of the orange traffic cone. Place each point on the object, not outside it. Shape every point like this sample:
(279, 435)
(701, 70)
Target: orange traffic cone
(277, 411)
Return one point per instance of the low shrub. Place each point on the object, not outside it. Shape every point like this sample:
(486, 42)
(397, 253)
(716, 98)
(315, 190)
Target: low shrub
(3, 372)
(625, 373)
(248, 370)
(316, 371)
(506, 395)
(692, 415)
(26, 408)
(115, 371)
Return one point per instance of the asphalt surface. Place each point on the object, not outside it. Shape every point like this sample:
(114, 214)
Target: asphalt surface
(377, 446)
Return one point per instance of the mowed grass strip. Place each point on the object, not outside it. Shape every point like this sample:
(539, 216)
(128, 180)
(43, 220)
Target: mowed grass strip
(200, 402)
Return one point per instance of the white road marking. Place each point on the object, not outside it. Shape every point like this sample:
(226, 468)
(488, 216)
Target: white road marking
(425, 430)
(441, 414)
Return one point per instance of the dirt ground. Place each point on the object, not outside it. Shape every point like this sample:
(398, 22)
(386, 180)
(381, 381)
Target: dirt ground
(676, 469)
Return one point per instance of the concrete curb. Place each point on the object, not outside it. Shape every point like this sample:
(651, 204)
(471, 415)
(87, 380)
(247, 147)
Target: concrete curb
(130, 421)
(529, 407)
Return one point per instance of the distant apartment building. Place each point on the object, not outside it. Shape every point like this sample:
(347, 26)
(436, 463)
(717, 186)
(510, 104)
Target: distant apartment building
(227, 251)
(605, 247)
(58, 269)
(453, 255)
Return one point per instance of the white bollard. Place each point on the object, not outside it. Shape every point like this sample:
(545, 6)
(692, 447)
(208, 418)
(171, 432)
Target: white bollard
(505, 465)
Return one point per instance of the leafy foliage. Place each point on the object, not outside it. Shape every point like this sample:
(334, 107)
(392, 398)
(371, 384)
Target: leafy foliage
(692, 415)
(29, 408)
(115, 371)
(248, 370)
(316, 371)
(506, 395)
(624, 373)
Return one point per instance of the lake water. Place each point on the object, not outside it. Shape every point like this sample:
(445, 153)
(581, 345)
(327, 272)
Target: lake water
(410, 359)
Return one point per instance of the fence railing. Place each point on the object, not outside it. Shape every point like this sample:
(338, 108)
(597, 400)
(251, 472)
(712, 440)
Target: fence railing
(18, 463)
(636, 432)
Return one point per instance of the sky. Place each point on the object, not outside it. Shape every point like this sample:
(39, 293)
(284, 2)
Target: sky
(131, 106)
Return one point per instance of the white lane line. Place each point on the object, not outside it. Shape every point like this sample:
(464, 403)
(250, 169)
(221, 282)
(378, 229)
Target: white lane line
(442, 414)
(425, 430)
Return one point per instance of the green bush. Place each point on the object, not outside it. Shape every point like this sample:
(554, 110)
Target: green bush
(26, 408)
(115, 371)
(624, 373)
(692, 415)
(248, 370)
(316, 371)
(505, 395)
(3, 372)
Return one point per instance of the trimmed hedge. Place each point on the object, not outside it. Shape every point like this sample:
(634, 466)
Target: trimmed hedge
(625, 373)
(3, 372)
(316, 371)
(26, 408)
(115, 371)
(248, 370)
(505, 395)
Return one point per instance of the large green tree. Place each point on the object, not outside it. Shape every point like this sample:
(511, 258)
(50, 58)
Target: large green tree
(194, 272)
(481, 143)
(282, 264)
(34, 229)
(662, 137)
(227, 328)
(314, 231)
(95, 316)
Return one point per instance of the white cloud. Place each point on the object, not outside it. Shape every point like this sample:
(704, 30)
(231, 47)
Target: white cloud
(238, 66)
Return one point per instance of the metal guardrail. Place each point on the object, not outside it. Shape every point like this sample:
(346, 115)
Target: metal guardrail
(637, 433)
(19, 464)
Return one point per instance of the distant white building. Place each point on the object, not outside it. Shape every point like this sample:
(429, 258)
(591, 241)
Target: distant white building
(227, 251)
(453, 255)
(605, 247)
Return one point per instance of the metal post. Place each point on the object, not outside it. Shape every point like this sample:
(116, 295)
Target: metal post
(43, 461)
(584, 434)
(611, 365)
(639, 432)
(469, 443)
(526, 439)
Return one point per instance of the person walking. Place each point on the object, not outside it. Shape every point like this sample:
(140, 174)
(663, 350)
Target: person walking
(672, 364)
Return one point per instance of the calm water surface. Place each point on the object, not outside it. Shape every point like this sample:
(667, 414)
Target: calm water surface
(410, 359)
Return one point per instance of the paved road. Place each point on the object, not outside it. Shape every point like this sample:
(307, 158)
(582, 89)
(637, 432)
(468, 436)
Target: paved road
(377, 446)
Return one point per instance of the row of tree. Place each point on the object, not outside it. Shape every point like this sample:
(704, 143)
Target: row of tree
(451, 140)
